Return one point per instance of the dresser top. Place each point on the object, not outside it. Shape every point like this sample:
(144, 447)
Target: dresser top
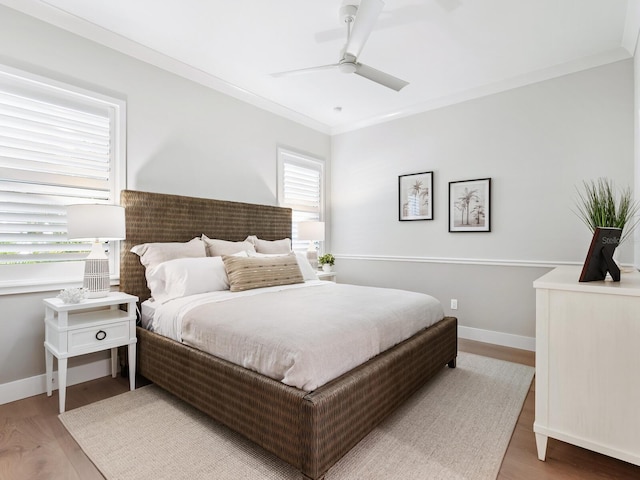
(566, 278)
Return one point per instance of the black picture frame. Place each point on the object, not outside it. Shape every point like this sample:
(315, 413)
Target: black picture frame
(415, 196)
(470, 205)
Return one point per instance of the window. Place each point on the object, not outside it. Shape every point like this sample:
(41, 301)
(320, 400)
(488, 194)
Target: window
(59, 145)
(301, 188)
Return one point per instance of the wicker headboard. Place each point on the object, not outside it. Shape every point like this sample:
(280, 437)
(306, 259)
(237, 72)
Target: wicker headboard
(157, 217)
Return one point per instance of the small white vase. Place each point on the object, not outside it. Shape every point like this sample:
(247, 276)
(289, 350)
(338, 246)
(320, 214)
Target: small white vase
(327, 268)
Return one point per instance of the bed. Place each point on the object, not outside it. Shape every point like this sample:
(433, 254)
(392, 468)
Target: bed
(309, 430)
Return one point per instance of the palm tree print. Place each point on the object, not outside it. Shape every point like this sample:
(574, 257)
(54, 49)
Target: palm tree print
(478, 213)
(461, 207)
(416, 196)
(470, 205)
(466, 198)
(415, 190)
(419, 192)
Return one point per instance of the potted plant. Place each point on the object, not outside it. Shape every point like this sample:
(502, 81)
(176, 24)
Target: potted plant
(327, 261)
(599, 209)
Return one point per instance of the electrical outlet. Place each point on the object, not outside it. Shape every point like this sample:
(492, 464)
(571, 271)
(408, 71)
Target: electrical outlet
(454, 304)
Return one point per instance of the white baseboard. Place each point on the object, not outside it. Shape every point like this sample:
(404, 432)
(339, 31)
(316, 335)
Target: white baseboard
(497, 338)
(28, 387)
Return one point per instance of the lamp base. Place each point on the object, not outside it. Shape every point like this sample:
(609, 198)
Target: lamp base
(96, 277)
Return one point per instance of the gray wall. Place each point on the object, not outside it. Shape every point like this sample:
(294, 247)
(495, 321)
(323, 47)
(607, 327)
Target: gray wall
(537, 143)
(182, 138)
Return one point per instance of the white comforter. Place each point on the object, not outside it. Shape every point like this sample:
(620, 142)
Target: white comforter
(303, 335)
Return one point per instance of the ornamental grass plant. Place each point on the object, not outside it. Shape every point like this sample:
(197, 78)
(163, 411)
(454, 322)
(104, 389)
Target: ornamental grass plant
(598, 207)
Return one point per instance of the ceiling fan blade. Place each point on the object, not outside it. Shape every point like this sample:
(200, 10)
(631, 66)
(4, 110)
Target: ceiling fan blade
(304, 70)
(380, 77)
(365, 20)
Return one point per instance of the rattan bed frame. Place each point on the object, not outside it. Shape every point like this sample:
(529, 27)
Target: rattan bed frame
(310, 431)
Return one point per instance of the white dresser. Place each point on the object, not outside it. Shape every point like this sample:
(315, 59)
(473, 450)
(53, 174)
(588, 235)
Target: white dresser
(588, 363)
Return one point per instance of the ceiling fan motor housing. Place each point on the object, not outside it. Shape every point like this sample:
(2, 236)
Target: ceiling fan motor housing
(347, 13)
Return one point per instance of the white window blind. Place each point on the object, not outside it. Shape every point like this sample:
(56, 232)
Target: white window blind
(301, 188)
(58, 146)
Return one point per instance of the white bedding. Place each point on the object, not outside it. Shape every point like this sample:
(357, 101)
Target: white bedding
(303, 335)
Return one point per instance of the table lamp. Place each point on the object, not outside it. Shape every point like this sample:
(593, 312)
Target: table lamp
(98, 223)
(313, 231)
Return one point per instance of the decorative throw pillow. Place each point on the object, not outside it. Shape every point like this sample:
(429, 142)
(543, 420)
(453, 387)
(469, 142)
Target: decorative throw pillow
(270, 246)
(153, 254)
(257, 272)
(308, 272)
(216, 247)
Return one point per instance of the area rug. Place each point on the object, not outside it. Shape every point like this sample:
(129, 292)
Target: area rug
(458, 426)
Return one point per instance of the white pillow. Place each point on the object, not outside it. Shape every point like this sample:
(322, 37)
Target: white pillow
(282, 246)
(186, 276)
(216, 247)
(153, 254)
(308, 272)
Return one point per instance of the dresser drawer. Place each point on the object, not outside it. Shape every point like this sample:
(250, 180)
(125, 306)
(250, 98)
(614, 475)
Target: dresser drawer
(97, 338)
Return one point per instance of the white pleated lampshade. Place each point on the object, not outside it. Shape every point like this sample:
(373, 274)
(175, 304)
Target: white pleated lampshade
(311, 231)
(90, 222)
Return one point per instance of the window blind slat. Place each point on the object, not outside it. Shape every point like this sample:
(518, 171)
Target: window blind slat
(32, 228)
(48, 159)
(9, 259)
(92, 134)
(11, 144)
(44, 200)
(46, 248)
(33, 166)
(26, 176)
(32, 237)
(73, 195)
(30, 218)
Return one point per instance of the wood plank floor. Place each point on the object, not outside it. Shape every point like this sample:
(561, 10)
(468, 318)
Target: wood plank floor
(34, 445)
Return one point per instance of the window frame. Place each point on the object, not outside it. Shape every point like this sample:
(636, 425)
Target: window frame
(304, 160)
(39, 277)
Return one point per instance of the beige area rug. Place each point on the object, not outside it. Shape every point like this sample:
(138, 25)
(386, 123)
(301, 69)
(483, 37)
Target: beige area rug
(456, 427)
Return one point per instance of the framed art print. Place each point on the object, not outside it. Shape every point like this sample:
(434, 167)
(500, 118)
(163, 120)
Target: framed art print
(415, 196)
(470, 205)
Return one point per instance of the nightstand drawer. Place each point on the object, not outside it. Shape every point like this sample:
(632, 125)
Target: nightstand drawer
(85, 339)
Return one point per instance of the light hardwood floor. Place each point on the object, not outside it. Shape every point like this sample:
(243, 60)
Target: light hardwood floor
(34, 445)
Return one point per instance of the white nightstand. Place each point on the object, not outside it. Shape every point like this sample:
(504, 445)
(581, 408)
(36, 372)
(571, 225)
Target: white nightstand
(330, 276)
(92, 325)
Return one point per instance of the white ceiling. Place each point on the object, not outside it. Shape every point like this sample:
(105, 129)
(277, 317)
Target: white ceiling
(448, 50)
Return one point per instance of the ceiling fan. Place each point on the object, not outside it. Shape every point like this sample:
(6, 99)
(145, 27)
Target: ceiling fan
(360, 21)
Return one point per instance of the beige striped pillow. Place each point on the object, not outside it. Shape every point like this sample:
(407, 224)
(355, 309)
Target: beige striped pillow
(256, 272)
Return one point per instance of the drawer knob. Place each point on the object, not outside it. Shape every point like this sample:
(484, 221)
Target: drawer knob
(101, 335)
